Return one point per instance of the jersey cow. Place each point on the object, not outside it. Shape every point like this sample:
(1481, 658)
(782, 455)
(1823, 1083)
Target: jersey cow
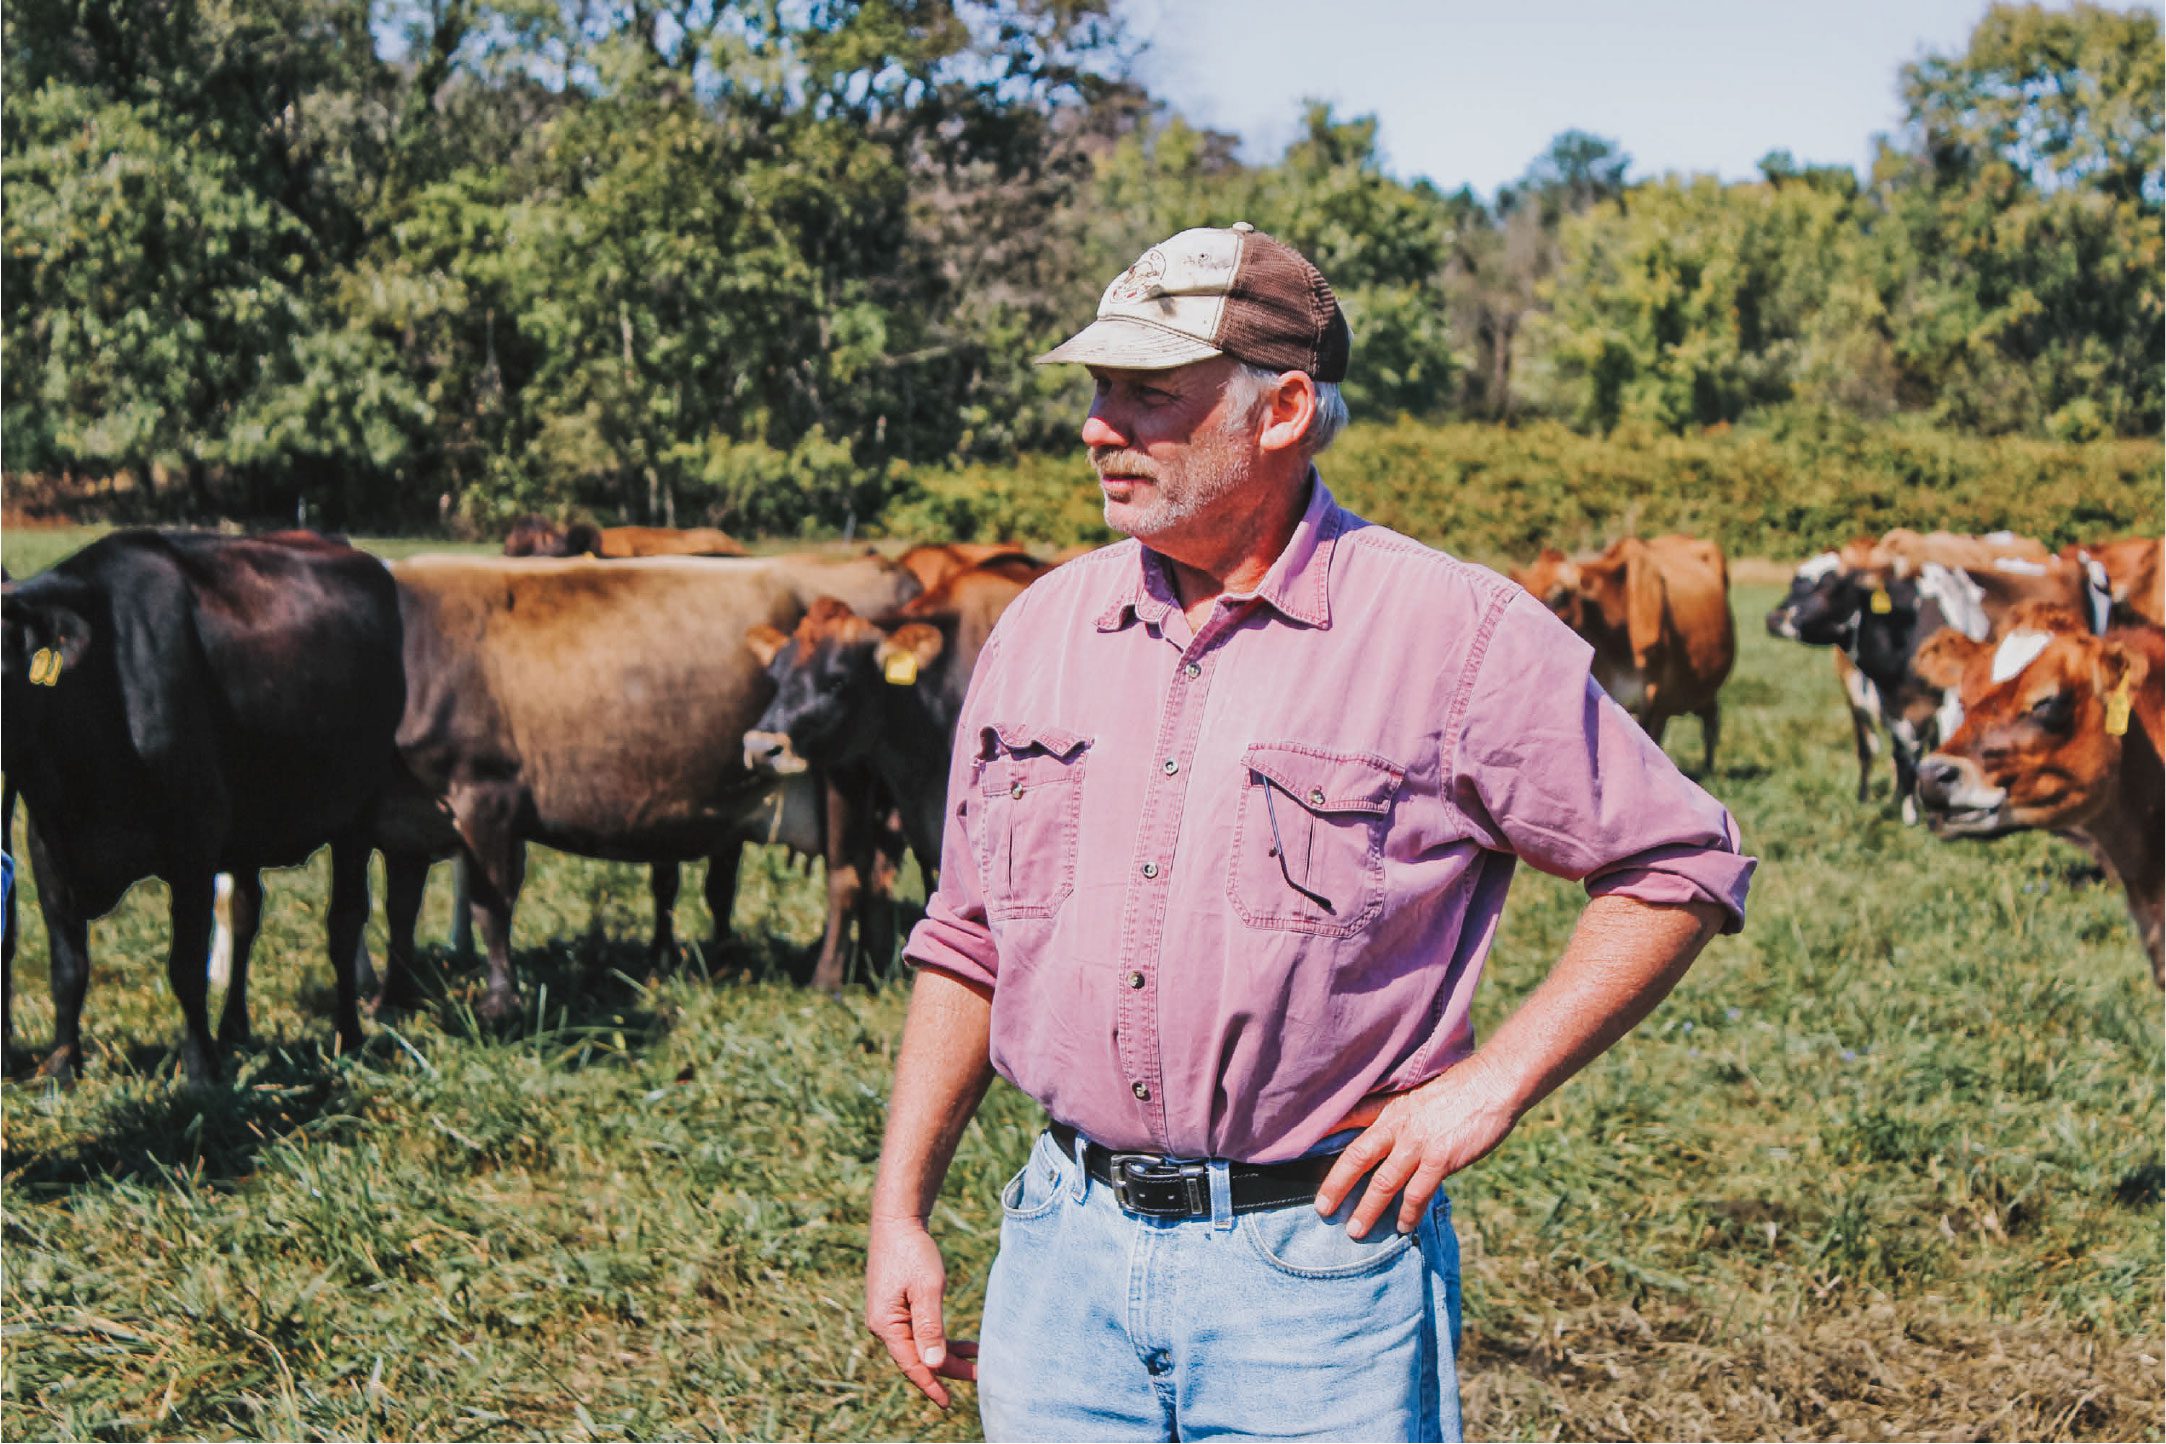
(599, 708)
(882, 694)
(1657, 613)
(1877, 603)
(2135, 574)
(2061, 730)
(533, 536)
(178, 705)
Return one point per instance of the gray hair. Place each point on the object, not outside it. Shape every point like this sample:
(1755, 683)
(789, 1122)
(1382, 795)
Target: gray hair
(1329, 420)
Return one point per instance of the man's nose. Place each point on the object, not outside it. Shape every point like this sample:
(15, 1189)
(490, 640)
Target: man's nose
(1097, 431)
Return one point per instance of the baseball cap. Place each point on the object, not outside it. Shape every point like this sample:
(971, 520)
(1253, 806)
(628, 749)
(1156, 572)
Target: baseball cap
(1211, 291)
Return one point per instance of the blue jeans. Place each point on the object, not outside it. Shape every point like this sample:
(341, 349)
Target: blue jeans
(1103, 1325)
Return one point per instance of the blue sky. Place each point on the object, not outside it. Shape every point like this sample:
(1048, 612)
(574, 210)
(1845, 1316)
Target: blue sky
(1470, 90)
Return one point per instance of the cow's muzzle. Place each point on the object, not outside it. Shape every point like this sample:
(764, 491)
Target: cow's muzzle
(771, 752)
(1956, 800)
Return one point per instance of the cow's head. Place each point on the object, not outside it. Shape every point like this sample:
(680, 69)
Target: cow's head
(2048, 710)
(827, 674)
(534, 536)
(44, 636)
(1553, 579)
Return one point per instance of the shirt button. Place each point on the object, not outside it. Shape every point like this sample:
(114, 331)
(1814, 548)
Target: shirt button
(1193, 670)
(1142, 1091)
(1172, 767)
(1135, 980)
(1150, 869)
(1316, 796)
(1016, 791)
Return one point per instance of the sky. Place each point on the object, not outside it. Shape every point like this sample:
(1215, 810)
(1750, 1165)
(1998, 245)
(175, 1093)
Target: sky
(1469, 91)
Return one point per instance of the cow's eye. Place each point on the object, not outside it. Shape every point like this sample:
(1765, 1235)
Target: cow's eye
(2053, 710)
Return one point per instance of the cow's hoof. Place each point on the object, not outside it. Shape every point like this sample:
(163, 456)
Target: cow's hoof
(402, 996)
(234, 1037)
(199, 1066)
(59, 1066)
(497, 1008)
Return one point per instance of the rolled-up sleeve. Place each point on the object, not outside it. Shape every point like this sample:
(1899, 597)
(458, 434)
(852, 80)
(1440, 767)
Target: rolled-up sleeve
(1547, 767)
(954, 936)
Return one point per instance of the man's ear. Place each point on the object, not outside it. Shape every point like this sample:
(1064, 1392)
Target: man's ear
(1288, 409)
(1942, 658)
(907, 650)
(766, 643)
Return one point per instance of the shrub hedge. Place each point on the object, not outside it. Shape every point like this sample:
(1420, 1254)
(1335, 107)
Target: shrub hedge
(1498, 493)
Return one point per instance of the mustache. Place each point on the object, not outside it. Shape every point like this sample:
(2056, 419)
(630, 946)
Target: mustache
(1116, 461)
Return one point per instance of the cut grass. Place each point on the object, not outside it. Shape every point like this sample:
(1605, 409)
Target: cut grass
(1888, 1164)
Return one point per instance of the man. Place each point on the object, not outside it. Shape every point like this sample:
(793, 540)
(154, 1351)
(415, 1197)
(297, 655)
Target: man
(1232, 814)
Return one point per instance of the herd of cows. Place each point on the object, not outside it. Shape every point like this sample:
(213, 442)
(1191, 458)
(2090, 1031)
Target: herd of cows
(199, 707)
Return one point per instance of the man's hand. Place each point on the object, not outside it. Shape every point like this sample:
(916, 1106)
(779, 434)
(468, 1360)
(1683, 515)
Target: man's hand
(1624, 956)
(1414, 1141)
(904, 1283)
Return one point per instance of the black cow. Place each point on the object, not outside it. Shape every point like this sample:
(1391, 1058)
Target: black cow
(182, 704)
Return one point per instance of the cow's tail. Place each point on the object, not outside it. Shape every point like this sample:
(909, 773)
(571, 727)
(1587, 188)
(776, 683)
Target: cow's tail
(221, 963)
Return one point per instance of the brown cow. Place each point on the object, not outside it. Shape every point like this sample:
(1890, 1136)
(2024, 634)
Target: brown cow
(1657, 612)
(2135, 569)
(932, 563)
(533, 536)
(2061, 730)
(599, 708)
(884, 694)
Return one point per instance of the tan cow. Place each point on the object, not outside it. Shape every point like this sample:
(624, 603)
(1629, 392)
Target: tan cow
(599, 708)
(1657, 613)
(2135, 569)
(932, 563)
(2061, 730)
(534, 536)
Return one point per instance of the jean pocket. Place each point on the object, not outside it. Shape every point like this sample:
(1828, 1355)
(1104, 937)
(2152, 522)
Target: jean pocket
(1308, 843)
(1300, 1242)
(1037, 1186)
(1030, 781)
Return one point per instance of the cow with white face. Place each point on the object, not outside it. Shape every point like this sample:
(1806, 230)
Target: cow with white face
(2061, 730)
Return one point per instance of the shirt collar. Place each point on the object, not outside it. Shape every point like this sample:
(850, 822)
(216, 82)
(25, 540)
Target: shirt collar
(1297, 586)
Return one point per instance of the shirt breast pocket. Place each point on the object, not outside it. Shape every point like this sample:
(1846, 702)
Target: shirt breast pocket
(1308, 842)
(1030, 782)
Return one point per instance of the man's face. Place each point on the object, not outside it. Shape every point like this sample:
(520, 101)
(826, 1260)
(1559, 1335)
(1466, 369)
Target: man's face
(1170, 447)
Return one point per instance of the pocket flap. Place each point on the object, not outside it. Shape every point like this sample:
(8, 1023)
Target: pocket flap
(1020, 737)
(1327, 781)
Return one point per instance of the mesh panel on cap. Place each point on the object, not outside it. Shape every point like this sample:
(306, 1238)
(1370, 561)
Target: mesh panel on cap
(1280, 313)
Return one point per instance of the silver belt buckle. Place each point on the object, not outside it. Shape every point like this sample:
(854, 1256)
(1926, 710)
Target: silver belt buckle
(1132, 1171)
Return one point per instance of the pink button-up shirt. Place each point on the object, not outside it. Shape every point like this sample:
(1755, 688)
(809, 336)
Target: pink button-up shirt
(1224, 884)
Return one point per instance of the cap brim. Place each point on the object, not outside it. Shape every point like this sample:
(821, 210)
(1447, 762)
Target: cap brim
(1129, 345)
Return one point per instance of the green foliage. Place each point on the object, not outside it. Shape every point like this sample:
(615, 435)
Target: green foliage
(1890, 1148)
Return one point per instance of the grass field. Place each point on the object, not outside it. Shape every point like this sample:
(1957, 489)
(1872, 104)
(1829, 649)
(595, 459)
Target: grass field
(1887, 1165)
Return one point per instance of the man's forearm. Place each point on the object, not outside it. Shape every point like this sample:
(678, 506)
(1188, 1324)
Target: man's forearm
(941, 1076)
(1624, 957)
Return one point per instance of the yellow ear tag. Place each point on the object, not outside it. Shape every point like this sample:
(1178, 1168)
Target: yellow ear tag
(901, 669)
(45, 667)
(1882, 602)
(2117, 705)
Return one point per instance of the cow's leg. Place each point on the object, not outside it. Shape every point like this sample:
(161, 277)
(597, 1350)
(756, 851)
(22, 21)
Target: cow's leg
(663, 880)
(721, 893)
(496, 881)
(244, 914)
(349, 914)
(1906, 776)
(1710, 734)
(1867, 741)
(187, 968)
(845, 881)
(68, 941)
(7, 934)
(462, 910)
(406, 878)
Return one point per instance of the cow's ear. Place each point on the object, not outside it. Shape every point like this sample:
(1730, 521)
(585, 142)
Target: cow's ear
(1942, 658)
(45, 638)
(766, 643)
(907, 650)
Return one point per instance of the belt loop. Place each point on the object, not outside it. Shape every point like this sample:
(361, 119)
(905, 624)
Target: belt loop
(1081, 1188)
(1221, 1194)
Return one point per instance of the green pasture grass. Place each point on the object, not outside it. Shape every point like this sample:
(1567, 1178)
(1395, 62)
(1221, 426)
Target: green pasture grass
(1887, 1165)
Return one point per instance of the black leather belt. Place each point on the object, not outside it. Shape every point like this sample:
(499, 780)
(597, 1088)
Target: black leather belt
(1156, 1187)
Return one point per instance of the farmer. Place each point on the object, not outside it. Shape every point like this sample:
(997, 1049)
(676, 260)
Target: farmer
(1233, 810)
